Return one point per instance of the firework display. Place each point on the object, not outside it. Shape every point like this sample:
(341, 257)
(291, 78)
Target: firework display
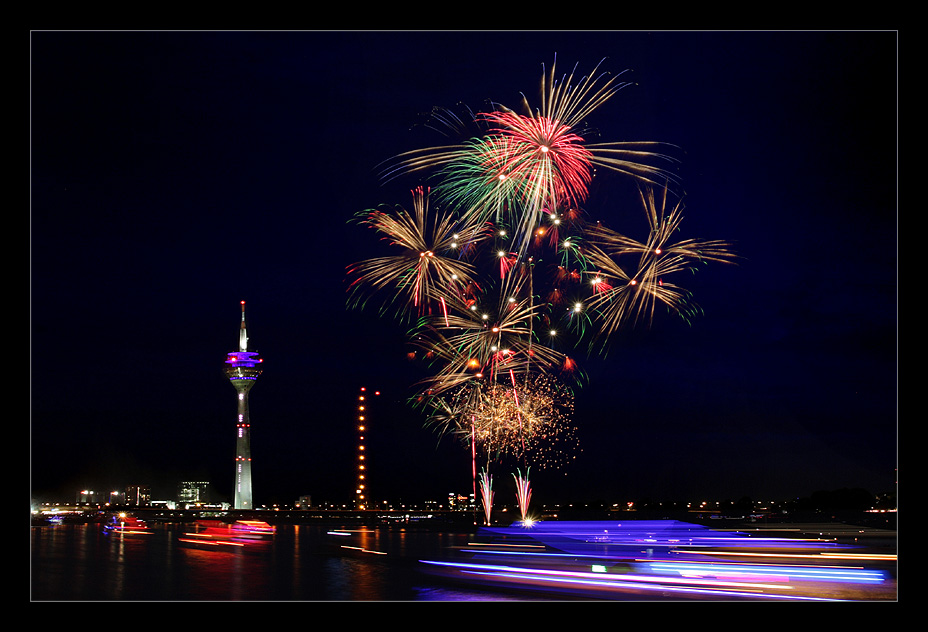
(505, 275)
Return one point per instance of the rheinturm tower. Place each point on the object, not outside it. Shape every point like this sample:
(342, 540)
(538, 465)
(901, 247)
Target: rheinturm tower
(242, 368)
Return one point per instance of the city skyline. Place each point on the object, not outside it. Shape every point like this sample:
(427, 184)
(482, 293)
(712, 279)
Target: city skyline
(157, 156)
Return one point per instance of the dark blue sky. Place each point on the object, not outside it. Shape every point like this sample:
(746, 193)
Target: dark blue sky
(175, 174)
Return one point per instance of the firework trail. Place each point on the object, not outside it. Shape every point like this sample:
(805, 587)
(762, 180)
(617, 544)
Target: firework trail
(523, 493)
(486, 493)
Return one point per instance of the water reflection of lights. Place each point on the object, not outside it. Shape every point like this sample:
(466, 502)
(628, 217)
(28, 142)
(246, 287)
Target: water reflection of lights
(666, 559)
(363, 550)
(364, 534)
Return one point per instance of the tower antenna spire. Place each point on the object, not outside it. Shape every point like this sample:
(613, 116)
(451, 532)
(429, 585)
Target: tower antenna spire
(243, 334)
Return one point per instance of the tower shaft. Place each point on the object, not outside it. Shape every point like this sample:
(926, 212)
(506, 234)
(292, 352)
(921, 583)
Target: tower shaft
(243, 495)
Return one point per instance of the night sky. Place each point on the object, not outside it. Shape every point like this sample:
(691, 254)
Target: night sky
(175, 174)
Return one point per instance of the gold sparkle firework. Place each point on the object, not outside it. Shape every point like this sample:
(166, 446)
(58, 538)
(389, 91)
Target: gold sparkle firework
(632, 277)
(524, 419)
(527, 420)
(480, 339)
(430, 259)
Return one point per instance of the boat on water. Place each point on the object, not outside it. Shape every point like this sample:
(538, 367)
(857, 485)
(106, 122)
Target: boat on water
(667, 559)
(216, 534)
(124, 524)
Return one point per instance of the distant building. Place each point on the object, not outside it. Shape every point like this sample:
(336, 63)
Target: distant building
(192, 492)
(138, 495)
(460, 502)
(304, 502)
(90, 496)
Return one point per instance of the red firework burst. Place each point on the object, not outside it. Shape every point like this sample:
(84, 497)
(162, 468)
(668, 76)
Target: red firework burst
(546, 155)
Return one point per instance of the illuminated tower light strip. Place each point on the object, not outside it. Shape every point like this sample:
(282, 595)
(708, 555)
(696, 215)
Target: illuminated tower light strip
(361, 496)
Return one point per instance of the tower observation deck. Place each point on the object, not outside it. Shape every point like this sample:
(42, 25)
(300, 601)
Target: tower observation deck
(243, 367)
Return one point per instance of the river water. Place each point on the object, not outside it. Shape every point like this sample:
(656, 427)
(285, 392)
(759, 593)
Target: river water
(302, 563)
(625, 559)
